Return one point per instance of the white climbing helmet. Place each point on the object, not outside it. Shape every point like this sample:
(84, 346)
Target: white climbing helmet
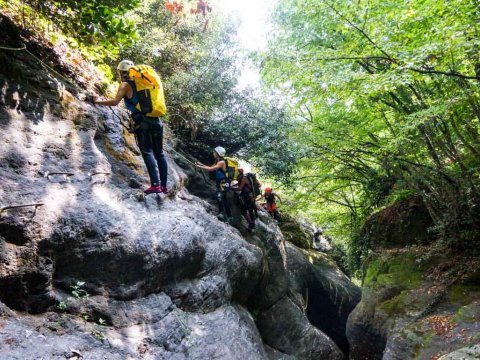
(220, 151)
(125, 65)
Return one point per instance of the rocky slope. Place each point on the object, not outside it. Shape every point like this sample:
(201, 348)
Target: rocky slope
(419, 300)
(91, 272)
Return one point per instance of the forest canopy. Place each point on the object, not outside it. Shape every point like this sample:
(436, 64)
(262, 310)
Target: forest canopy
(388, 91)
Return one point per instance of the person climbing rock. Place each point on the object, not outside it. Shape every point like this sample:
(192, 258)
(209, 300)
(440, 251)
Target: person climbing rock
(222, 180)
(271, 204)
(246, 198)
(146, 117)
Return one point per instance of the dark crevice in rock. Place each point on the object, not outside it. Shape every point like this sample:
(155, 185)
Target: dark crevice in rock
(13, 232)
(28, 291)
(324, 315)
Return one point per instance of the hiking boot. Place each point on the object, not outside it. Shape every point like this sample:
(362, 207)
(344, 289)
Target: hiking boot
(153, 189)
(164, 189)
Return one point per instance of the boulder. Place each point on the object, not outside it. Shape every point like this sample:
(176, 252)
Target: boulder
(404, 314)
(286, 328)
(401, 224)
(304, 300)
(147, 328)
(327, 294)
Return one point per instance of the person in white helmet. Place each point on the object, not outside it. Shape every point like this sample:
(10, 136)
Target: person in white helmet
(223, 183)
(149, 134)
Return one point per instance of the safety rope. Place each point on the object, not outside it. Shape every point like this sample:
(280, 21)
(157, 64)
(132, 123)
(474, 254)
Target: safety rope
(24, 48)
(166, 145)
(55, 72)
(119, 118)
(179, 154)
(13, 49)
(189, 161)
(19, 206)
(66, 174)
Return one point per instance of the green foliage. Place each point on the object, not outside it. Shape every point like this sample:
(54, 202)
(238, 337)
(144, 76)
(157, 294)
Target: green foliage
(206, 109)
(388, 94)
(62, 306)
(78, 292)
(93, 22)
(400, 270)
(466, 314)
(396, 305)
(259, 129)
(199, 69)
(462, 294)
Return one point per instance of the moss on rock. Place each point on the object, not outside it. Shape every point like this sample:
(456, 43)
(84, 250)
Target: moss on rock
(460, 294)
(401, 224)
(400, 270)
(395, 305)
(466, 314)
(294, 232)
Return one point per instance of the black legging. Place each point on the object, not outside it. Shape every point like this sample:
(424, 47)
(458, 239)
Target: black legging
(150, 138)
(223, 206)
(248, 207)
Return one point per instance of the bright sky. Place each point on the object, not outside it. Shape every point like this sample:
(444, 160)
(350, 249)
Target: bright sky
(254, 15)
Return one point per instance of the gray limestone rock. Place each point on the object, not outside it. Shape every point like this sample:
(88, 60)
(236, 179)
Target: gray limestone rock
(96, 274)
(285, 327)
(326, 293)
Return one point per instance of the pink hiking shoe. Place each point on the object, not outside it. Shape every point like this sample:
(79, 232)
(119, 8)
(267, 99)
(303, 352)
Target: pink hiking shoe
(153, 189)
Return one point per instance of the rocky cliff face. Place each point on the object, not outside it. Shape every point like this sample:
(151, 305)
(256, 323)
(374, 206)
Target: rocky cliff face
(418, 301)
(92, 272)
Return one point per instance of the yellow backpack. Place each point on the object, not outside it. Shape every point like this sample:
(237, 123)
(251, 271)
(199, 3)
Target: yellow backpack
(232, 168)
(151, 100)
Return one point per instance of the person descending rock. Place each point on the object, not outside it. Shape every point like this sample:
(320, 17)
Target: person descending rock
(246, 198)
(271, 205)
(142, 92)
(223, 180)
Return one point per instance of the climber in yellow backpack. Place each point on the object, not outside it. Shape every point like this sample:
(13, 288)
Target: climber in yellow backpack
(226, 170)
(142, 92)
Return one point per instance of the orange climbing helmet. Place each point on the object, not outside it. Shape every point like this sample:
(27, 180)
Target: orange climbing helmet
(268, 190)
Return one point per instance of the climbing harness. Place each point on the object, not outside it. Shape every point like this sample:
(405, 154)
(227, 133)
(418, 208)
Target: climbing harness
(128, 128)
(67, 175)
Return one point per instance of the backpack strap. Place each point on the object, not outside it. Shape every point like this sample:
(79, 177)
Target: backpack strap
(227, 179)
(131, 103)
